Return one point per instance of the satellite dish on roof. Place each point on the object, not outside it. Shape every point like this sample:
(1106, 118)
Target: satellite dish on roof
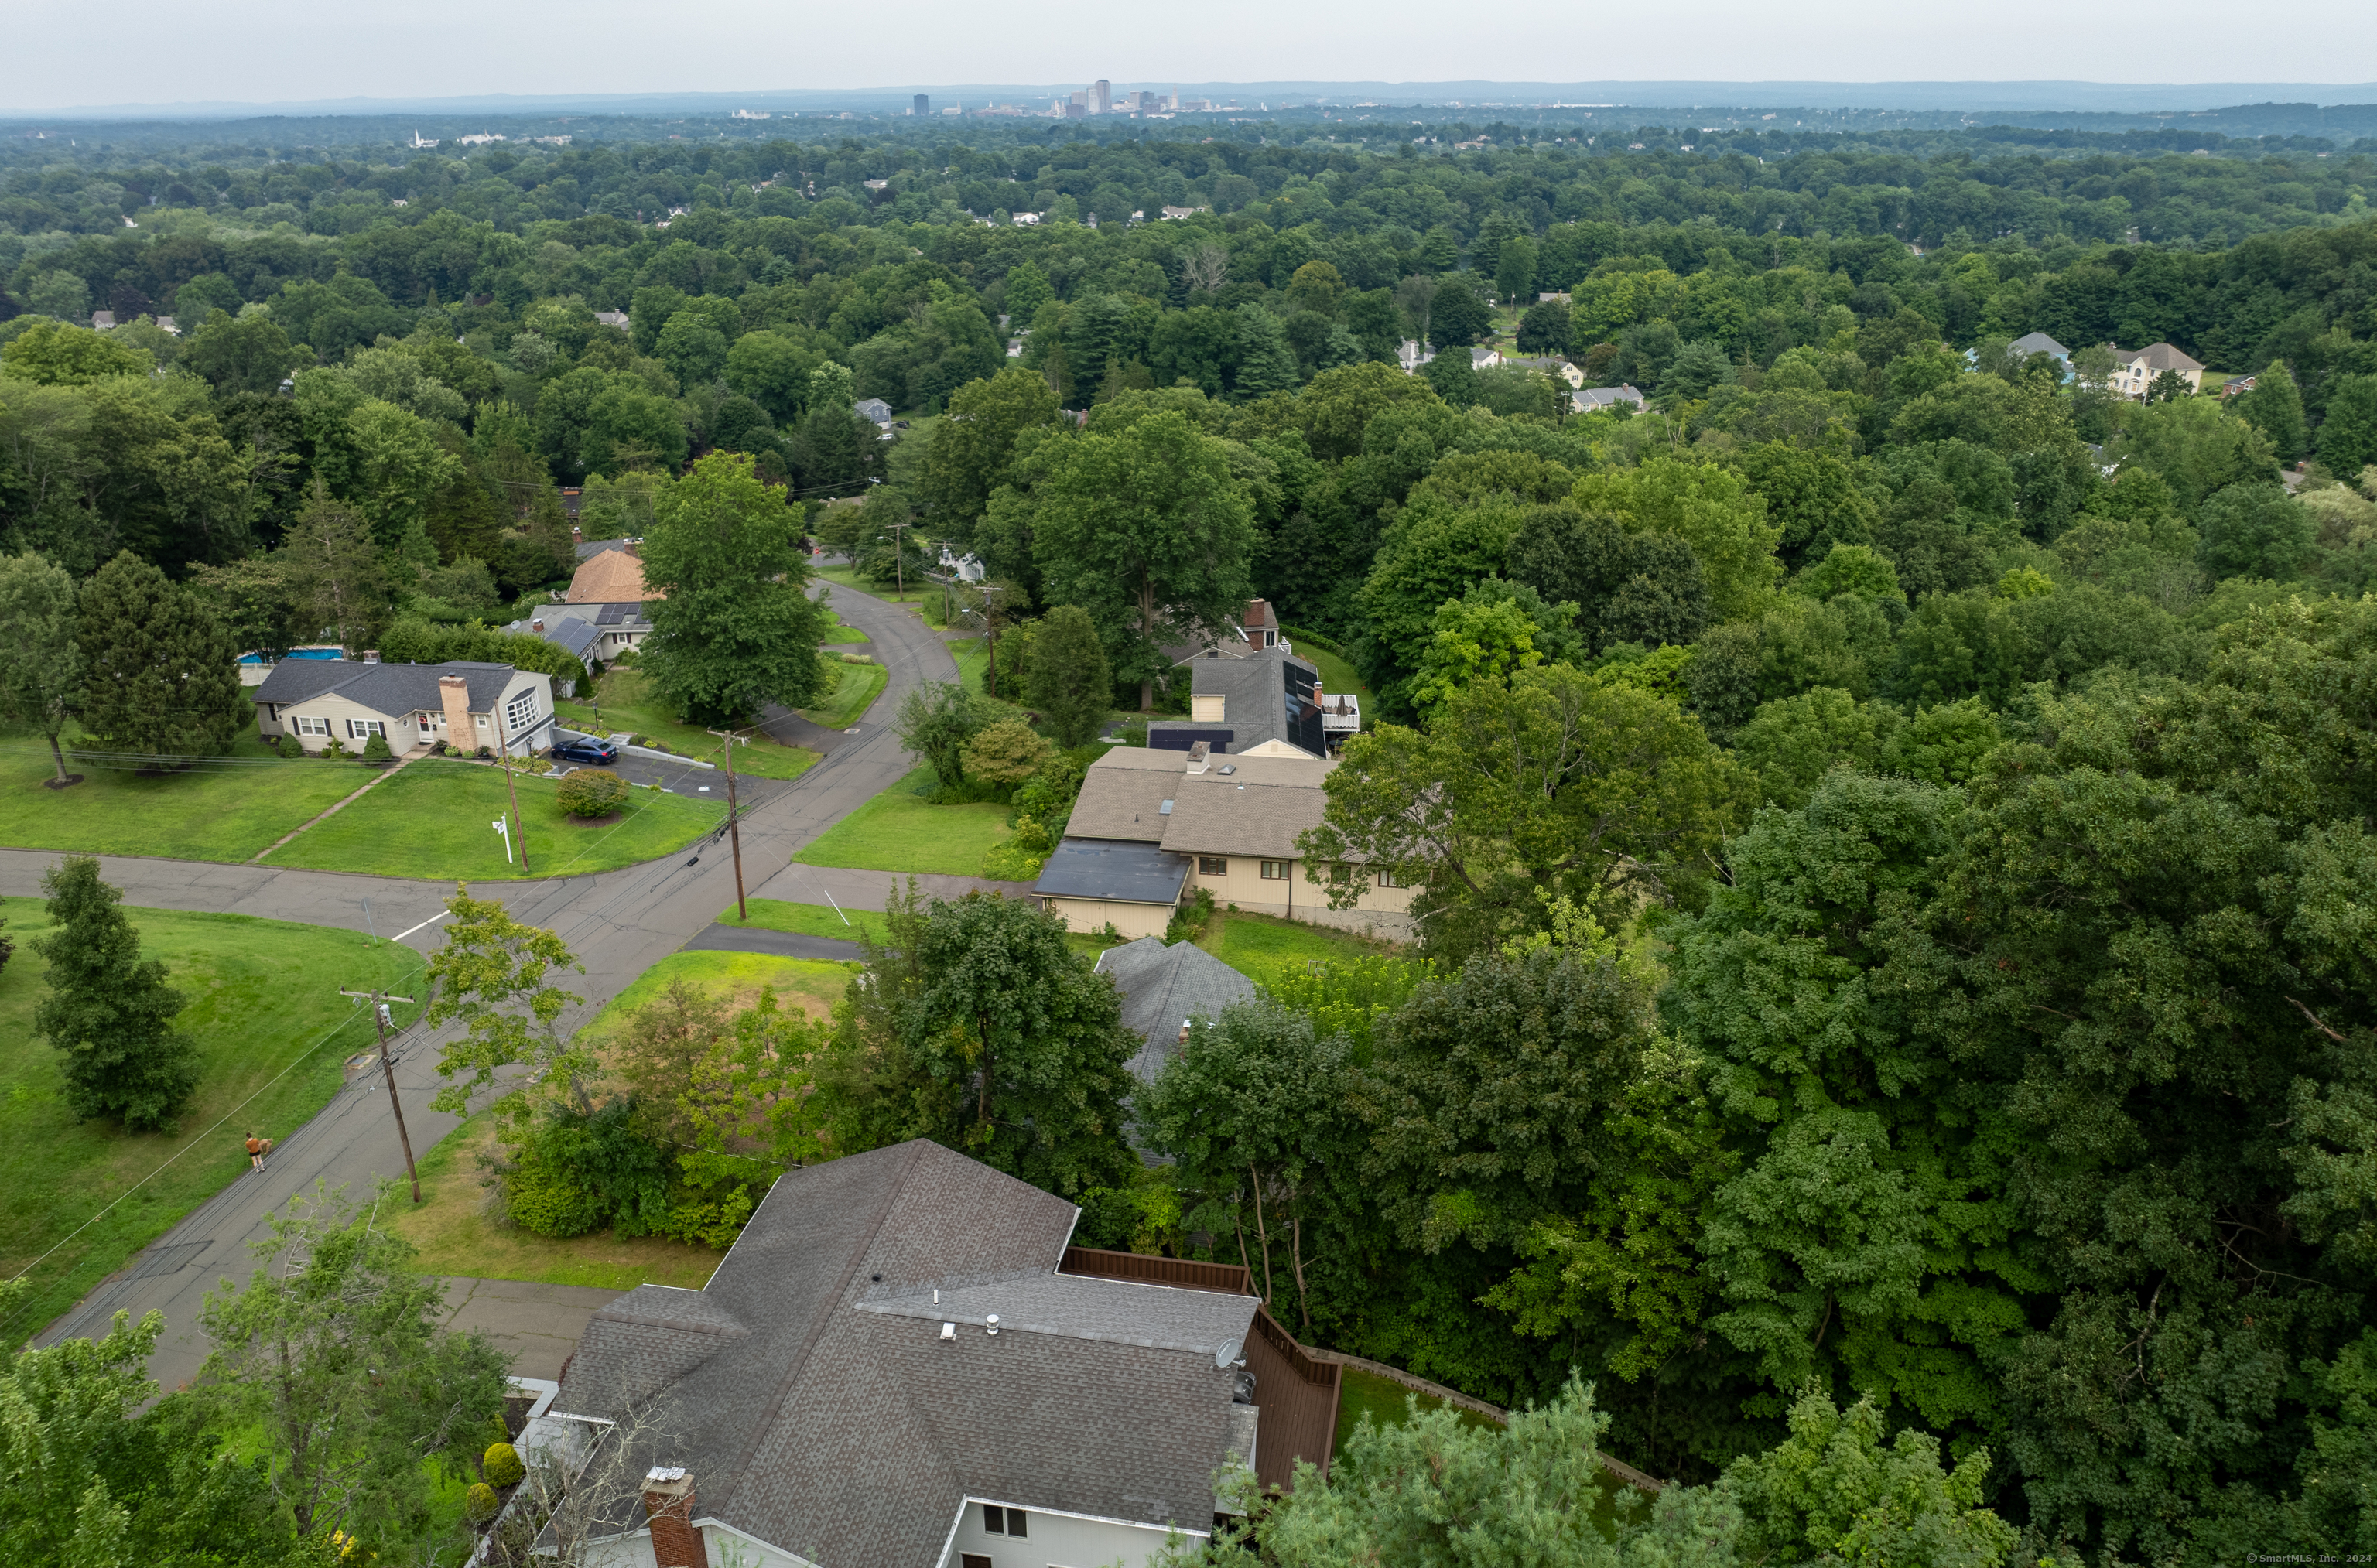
(1226, 1354)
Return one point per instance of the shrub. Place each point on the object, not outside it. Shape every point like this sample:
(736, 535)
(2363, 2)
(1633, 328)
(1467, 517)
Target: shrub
(588, 792)
(1005, 753)
(336, 748)
(481, 1503)
(375, 751)
(1190, 920)
(503, 1465)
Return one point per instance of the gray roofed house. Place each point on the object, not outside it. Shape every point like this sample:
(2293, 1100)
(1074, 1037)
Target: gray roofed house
(875, 410)
(591, 630)
(1265, 700)
(2031, 343)
(1588, 399)
(1162, 988)
(901, 1346)
(462, 702)
(1113, 869)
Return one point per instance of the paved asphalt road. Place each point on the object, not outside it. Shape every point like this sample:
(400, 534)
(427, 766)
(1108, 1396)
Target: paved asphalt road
(619, 924)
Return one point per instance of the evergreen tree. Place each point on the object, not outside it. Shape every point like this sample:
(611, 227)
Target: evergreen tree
(164, 676)
(1070, 680)
(2274, 408)
(109, 1010)
(1266, 363)
(2348, 437)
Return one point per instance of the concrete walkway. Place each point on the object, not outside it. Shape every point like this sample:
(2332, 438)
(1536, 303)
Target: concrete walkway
(617, 923)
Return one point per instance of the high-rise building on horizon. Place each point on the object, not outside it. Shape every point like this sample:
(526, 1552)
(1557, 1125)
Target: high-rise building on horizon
(1104, 91)
(924, 104)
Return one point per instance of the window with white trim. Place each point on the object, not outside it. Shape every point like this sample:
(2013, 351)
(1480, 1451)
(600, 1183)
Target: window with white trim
(362, 729)
(312, 726)
(521, 710)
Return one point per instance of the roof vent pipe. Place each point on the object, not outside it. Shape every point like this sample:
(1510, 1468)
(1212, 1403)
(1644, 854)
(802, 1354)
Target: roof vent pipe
(991, 1322)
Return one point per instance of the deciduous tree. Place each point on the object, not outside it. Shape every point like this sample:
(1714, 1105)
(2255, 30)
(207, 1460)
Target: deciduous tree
(734, 631)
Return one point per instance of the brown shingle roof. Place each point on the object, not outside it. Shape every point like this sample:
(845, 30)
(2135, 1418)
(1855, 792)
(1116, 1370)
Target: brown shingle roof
(614, 577)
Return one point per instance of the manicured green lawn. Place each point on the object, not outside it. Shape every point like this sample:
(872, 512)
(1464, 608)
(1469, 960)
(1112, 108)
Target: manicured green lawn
(1260, 946)
(628, 704)
(842, 633)
(809, 984)
(808, 920)
(855, 688)
(226, 810)
(897, 831)
(434, 819)
(272, 1032)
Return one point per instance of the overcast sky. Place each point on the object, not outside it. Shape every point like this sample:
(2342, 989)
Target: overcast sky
(268, 51)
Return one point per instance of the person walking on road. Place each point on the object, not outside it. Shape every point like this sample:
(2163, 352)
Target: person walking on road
(257, 1149)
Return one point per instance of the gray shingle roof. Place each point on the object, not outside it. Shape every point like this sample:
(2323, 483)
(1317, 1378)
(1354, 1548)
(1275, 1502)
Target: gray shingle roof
(1254, 689)
(840, 1425)
(1163, 986)
(2039, 343)
(1112, 869)
(394, 690)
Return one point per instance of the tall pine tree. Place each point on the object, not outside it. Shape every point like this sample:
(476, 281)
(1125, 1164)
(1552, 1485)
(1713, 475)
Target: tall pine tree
(110, 1011)
(164, 676)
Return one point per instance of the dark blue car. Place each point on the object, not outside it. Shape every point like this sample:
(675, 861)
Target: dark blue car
(586, 748)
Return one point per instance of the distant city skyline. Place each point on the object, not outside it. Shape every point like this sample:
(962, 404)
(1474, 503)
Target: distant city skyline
(267, 52)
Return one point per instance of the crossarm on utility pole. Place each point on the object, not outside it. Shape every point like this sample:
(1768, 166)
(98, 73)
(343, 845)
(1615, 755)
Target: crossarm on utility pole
(379, 1001)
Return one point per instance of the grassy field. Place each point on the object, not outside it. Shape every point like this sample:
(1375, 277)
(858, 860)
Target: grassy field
(628, 704)
(897, 831)
(226, 810)
(809, 984)
(842, 633)
(842, 576)
(807, 920)
(1259, 946)
(456, 1235)
(1336, 675)
(434, 820)
(855, 688)
(271, 1034)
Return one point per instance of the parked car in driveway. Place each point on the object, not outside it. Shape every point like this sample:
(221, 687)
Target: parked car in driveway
(586, 748)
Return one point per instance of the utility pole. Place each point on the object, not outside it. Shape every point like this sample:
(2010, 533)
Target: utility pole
(735, 825)
(504, 749)
(379, 1001)
(899, 561)
(990, 630)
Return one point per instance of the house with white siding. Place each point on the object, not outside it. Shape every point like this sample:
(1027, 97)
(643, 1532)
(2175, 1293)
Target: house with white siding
(412, 706)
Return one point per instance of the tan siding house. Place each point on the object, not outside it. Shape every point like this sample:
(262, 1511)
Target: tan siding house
(1228, 824)
(463, 704)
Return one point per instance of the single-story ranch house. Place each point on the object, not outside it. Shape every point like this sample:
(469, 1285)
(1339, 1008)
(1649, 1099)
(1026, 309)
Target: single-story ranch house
(464, 704)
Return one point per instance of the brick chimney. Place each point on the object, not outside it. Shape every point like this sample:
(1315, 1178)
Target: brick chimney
(454, 697)
(668, 1498)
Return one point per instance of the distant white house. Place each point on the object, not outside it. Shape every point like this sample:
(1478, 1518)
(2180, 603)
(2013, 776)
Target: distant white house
(875, 410)
(1413, 354)
(1552, 365)
(1485, 357)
